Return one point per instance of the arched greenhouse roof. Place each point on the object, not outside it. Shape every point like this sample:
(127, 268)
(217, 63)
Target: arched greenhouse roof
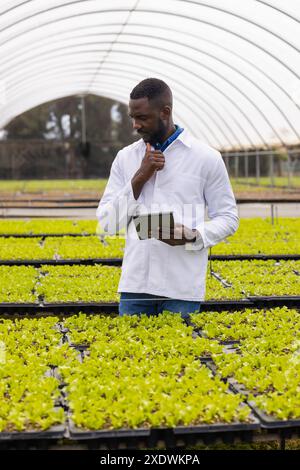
(233, 65)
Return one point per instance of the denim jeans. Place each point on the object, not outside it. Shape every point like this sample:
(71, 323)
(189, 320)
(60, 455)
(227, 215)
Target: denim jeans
(136, 304)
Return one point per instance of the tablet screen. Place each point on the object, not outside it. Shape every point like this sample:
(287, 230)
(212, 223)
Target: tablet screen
(147, 225)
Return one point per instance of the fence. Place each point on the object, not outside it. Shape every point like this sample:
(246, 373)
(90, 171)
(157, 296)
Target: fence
(42, 159)
(265, 167)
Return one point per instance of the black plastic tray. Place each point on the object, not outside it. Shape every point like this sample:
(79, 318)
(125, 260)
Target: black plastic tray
(90, 307)
(55, 432)
(270, 422)
(275, 301)
(44, 235)
(237, 387)
(42, 262)
(32, 216)
(242, 257)
(164, 433)
(111, 307)
(67, 307)
(267, 421)
(76, 433)
(79, 304)
(118, 261)
(95, 307)
(218, 427)
(228, 342)
(212, 366)
(13, 306)
(199, 332)
(210, 305)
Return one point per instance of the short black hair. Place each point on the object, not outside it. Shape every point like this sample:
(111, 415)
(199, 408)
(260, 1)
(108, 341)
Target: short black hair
(153, 89)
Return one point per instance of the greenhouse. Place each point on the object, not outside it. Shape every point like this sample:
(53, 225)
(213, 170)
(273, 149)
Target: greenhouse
(75, 372)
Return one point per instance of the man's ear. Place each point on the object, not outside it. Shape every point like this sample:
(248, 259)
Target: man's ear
(166, 112)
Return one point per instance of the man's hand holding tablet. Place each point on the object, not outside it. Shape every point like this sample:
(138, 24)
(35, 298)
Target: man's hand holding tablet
(162, 227)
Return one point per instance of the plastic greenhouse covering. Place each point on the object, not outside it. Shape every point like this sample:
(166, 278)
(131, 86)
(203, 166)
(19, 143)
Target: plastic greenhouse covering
(233, 65)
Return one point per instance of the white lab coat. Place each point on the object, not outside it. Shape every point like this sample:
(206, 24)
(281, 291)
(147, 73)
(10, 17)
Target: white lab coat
(194, 178)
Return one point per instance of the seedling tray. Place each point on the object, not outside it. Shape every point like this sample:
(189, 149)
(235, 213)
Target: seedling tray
(113, 307)
(218, 427)
(59, 307)
(118, 261)
(219, 305)
(165, 434)
(267, 421)
(57, 262)
(44, 235)
(87, 307)
(213, 368)
(199, 332)
(250, 257)
(13, 308)
(228, 342)
(77, 433)
(55, 432)
(275, 301)
(270, 422)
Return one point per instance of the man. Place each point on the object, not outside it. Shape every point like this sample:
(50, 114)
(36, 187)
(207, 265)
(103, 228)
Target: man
(168, 170)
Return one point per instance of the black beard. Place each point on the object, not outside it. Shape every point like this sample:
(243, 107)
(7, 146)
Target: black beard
(159, 135)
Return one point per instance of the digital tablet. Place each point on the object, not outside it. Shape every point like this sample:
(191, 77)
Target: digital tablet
(148, 225)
